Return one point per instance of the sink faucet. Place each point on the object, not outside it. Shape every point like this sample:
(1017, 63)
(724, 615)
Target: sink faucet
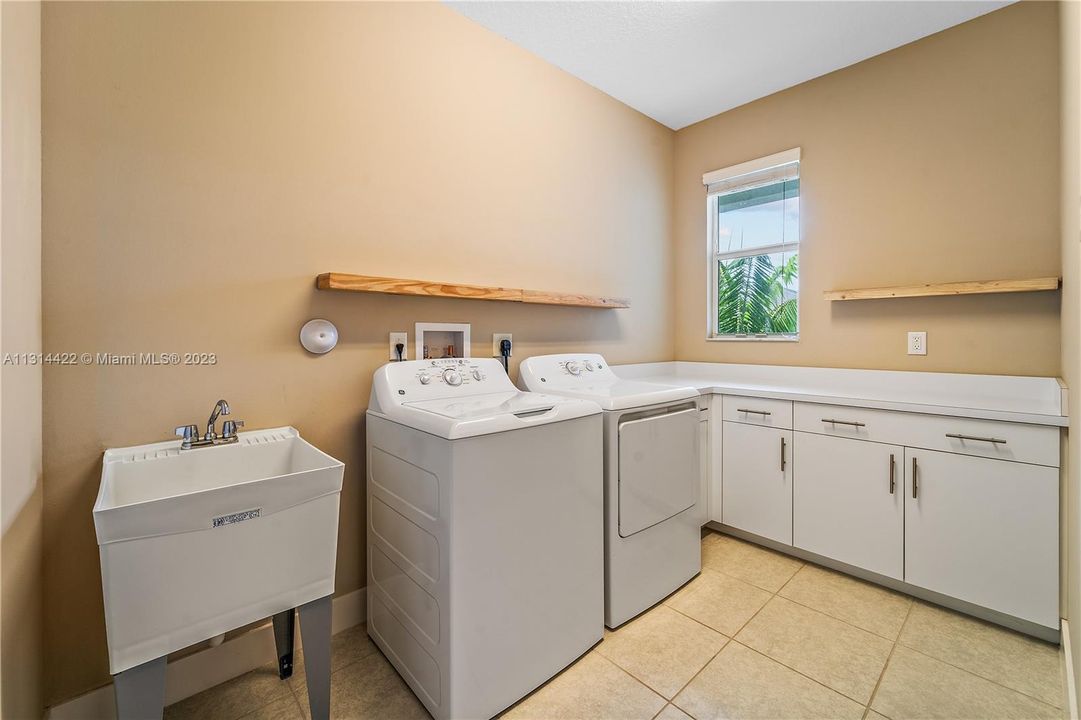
(220, 408)
(190, 433)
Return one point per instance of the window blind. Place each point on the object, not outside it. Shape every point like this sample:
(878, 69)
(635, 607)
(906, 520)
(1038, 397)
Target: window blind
(771, 170)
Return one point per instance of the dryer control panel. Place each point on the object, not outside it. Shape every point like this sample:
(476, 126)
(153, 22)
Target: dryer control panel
(414, 380)
(570, 370)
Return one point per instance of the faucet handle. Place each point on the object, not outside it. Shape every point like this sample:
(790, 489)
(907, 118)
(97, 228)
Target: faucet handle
(189, 433)
(228, 428)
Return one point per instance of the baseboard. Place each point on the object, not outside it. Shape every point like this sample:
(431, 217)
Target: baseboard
(1068, 681)
(212, 666)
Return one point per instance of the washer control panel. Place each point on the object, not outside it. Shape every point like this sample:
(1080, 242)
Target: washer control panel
(452, 372)
(447, 377)
(580, 367)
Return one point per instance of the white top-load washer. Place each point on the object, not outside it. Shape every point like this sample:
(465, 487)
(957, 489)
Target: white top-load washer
(485, 532)
(651, 477)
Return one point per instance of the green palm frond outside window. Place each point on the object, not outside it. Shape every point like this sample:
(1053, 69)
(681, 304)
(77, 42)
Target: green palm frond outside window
(751, 296)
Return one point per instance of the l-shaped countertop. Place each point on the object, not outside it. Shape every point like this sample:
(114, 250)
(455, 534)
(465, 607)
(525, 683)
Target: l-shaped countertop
(1032, 400)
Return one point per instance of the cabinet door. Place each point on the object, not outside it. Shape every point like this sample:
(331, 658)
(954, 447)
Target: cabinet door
(848, 501)
(757, 488)
(985, 531)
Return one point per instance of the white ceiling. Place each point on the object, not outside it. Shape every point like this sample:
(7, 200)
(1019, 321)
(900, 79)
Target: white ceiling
(680, 62)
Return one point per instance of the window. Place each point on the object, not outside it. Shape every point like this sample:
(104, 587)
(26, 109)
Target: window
(753, 227)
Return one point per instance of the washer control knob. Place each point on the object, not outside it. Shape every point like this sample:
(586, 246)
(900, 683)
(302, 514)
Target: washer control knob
(574, 368)
(477, 375)
(424, 378)
(589, 366)
(452, 377)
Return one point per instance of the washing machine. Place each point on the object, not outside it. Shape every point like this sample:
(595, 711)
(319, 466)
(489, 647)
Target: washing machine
(651, 477)
(485, 532)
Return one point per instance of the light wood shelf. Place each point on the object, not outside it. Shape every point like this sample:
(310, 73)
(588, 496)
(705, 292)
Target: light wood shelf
(400, 286)
(978, 287)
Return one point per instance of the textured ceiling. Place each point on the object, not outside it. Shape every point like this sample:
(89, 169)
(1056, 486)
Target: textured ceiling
(681, 62)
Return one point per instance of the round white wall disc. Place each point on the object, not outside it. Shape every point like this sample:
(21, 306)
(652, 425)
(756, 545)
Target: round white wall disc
(319, 336)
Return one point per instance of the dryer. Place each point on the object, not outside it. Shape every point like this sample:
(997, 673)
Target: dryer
(485, 532)
(652, 477)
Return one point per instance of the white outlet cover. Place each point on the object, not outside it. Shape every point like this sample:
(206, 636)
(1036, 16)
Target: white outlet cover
(399, 337)
(498, 338)
(917, 343)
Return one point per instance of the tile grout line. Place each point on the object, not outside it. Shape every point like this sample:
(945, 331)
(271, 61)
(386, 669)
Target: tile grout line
(623, 670)
(842, 620)
(696, 620)
(958, 667)
(976, 675)
(731, 639)
(800, 673)
(886, 665)
(776, 595)
(693, 677)
(893, 642)
(296, 699)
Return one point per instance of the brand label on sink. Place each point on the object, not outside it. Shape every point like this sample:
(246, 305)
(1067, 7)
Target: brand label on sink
(236, 517)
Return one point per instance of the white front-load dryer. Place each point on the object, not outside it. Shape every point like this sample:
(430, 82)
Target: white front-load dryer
(485, 532)
(651, 477)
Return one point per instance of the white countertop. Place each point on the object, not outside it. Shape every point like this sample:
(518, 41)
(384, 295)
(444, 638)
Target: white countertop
(1034, 400)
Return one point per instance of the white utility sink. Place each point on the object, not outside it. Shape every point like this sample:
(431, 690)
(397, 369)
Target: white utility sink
(197, 542)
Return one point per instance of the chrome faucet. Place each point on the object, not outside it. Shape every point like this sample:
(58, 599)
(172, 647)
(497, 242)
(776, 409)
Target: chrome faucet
(220, 408)
(190, 433)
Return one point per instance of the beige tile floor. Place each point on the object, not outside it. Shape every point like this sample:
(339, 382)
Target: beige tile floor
(756, 635)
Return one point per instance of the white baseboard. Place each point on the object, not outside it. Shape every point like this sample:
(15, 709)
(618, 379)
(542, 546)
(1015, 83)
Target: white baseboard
(1069, 683)
(212, 666)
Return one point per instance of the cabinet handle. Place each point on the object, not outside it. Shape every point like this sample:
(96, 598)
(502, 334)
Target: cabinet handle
(782, 454)
(915, 481)
(993, 441)
(893, 474)
(853, 423)
(753, 412)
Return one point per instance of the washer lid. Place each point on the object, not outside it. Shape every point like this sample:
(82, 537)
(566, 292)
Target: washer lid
(513, 402)
(588, 376)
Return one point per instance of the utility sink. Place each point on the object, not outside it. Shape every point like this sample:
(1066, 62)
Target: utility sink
(197, 542)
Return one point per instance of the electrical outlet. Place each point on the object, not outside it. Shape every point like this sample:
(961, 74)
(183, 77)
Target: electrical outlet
(498, 338)
(399, 337)
(917, 343)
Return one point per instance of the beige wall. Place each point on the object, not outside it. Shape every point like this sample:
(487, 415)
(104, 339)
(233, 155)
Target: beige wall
(1070, 20)
(937, 161)
(20, 385)
(205, 161)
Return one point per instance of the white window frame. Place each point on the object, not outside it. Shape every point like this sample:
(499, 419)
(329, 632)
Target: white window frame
(718, 182)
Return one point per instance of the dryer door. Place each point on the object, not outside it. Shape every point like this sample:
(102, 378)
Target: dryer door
(658, 468)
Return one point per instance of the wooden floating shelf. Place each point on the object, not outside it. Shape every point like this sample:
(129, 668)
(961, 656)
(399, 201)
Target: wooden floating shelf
(979, 287)
(400, 286)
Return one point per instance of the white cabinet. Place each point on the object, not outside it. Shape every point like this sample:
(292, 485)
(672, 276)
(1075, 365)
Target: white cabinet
(704, 459)
(848, 501)
(757, 480)
(984, 531)
(716, 452)
(1020, 442)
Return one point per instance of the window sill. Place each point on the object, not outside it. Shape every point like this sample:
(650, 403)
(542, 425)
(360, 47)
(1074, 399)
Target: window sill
(753, 338)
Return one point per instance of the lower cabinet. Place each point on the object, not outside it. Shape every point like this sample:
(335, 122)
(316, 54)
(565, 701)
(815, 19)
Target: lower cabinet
(984, 531)
(976, 519)
(848, 501)
(704, 459)
(757, 480)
